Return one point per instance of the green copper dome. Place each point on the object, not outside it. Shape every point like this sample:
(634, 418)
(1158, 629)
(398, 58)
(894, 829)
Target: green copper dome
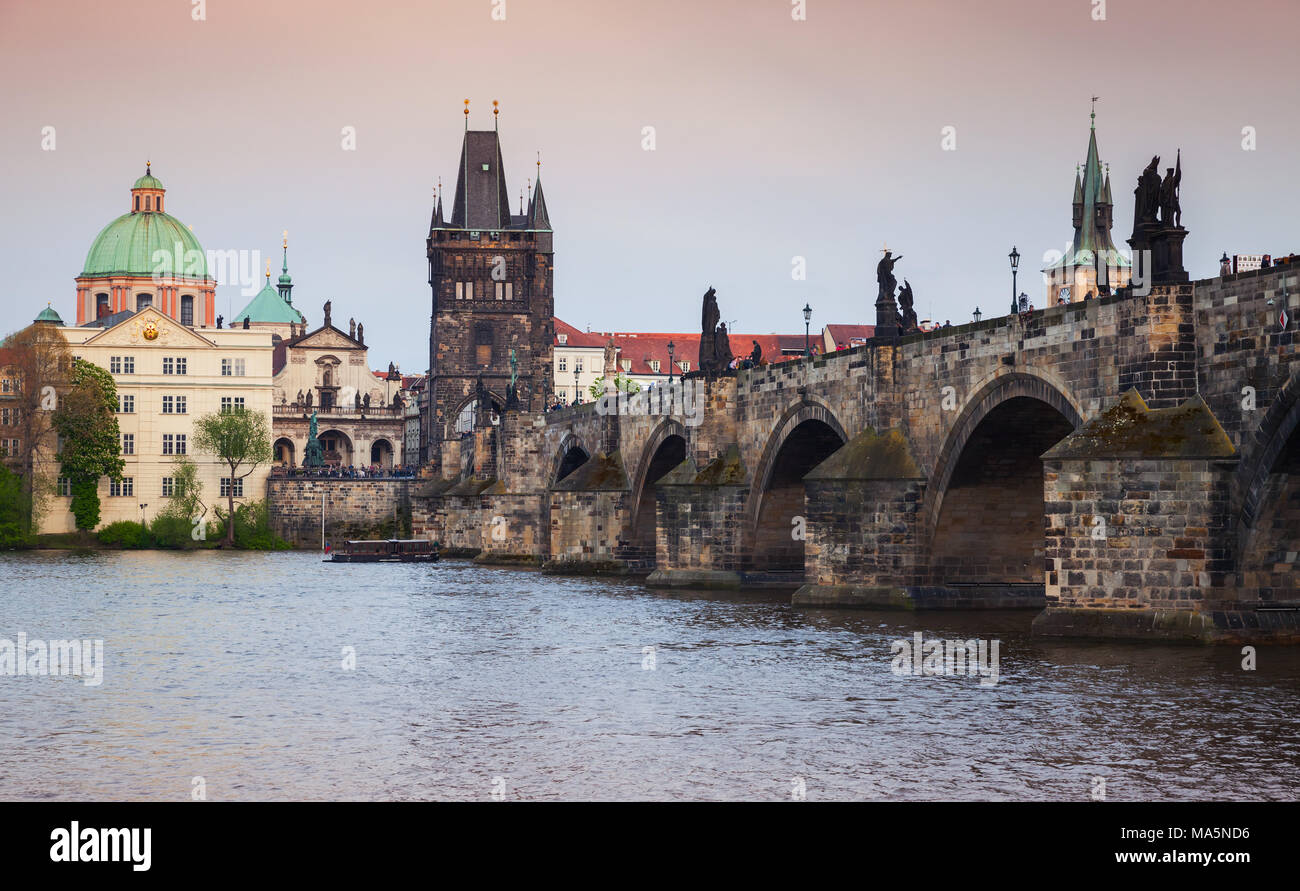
(49, 315)
(127, 245)
(148, 181)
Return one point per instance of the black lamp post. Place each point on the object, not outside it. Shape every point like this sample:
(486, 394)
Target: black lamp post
(977, 315)
(807, 320)
(577, 394)
(1014, 257)
(671, 346)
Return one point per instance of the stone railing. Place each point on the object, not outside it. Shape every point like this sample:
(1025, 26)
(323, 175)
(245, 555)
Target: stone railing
(375, 411)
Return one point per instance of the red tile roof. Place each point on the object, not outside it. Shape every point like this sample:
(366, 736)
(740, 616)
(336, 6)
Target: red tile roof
(640, 348)
(844, 335)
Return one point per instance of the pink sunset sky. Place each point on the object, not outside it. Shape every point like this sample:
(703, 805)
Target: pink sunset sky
(774, 138)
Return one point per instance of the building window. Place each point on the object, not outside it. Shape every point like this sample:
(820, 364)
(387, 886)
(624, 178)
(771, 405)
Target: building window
(577, 366)
(174, 444)
(65, 487)
(510, 290)
(469, 290)
(101, 305)
(128, 443)
(125, 404)
(226, 487)
(231, 403)
(173, 405)
(232, 367)
(654, 365)
(564, 363)
(187, 310)
(483, 344)
(143, 301)
(6, 385)
(169, 486)
(10, 447)
(123, 489)
(121, 364)
(460, 290)
(684, 365)
(148, 202)
(137, 202)
(174, 365)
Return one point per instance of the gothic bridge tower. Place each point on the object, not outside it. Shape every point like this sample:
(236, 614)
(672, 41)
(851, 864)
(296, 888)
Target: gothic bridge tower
(491, 274)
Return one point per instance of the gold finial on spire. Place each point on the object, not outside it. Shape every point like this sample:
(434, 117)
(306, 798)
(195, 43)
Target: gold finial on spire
(521, 202)
(285, 243)
(496, 110)
(147, 164)
(539, 166)
(466, 108)
(268, 272)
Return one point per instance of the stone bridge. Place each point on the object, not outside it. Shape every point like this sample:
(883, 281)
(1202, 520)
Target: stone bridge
(1128, 465)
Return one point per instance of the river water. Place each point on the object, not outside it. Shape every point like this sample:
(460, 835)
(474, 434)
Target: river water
(472, 682)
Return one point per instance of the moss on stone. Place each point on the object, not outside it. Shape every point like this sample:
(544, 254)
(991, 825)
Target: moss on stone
(600, 473)
(1128, 429)
(870, 456)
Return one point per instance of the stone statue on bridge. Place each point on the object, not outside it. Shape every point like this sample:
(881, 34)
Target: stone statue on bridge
(1170, 211)
(887, 318)
(1158, 232)
(907, 318)
(709, 317)
(722, 340)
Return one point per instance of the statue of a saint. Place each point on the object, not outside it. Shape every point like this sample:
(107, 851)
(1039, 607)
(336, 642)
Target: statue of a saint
(709, 317)
(885, 274)
(313, 455)
(908, 312)
(723, 347)
(1170, 211)
(1146, 197)
(329, 304)
(361, 333)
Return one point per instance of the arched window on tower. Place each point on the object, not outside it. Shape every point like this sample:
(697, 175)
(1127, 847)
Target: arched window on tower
(137, 202)
(142, 301)
(101, 306)
(148, 202)
(187, 310)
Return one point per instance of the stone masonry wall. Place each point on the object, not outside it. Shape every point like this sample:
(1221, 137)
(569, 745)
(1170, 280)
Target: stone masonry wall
(354, 509)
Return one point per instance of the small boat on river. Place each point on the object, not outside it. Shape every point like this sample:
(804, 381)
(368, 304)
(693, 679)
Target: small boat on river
(391, 550)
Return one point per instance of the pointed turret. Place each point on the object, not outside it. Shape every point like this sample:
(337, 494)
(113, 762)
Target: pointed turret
(482, 199)
(537, 216)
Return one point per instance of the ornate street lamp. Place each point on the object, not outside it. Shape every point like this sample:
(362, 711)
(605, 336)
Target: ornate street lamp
(807, 320)
(1014, 257)
(977, 315)
(671, 346)
(577, 394)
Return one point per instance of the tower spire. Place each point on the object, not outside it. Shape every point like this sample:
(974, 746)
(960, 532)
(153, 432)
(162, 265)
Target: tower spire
(285, 285)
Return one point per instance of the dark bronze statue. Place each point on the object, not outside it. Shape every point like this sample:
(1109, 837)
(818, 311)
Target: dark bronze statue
(1170, 211)
(756, 355)
(1146, 197)
(709, 316)
(907, 318)
(723, 347)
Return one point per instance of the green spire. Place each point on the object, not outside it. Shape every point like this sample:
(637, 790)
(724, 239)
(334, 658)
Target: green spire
(286, 281)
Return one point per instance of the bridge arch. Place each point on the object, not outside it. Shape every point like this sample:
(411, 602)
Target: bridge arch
(665, 449)
(983, 507)
(1268, 491)
(994, 391)
(806, 434)
(571, 455)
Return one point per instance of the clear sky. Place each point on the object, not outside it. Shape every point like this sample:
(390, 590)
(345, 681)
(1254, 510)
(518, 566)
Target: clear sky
(774, 138)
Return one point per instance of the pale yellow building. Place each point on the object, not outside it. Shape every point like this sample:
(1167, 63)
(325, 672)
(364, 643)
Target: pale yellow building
(167, 375)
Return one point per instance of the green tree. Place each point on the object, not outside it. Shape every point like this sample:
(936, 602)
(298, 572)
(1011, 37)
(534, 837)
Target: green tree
(14, 511)
(621, 384)
(87, 420)
(176, 524)
(241, 439)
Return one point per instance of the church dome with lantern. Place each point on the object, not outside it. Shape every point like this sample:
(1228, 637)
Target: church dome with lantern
(146, 257)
